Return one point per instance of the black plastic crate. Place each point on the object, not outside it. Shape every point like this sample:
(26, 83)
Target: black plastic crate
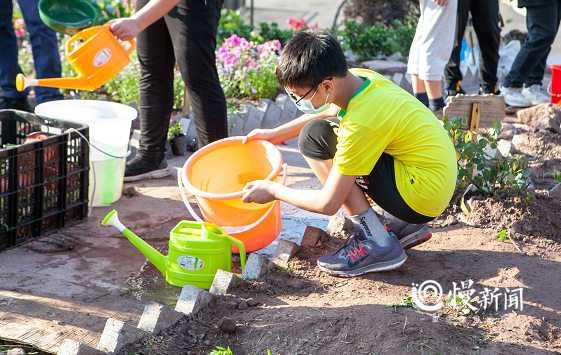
(43, 184)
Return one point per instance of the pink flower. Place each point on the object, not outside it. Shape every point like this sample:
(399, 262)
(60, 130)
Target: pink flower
(313, 27)
(20, 32)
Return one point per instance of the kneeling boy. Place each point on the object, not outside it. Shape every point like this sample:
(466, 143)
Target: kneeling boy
(383, 142)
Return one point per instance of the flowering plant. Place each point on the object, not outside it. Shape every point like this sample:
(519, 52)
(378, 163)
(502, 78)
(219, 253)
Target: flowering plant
(300, 25)
(246, 69)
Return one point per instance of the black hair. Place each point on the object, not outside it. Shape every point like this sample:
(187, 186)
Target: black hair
(310, 57)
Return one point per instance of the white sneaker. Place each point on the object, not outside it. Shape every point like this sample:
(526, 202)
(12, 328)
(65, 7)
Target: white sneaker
(514, 97)
(535, 94)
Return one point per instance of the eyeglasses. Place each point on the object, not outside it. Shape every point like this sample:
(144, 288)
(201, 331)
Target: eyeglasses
(297, 100)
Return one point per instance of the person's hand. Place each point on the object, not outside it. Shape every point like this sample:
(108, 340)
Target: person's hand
(125, 28)
(442, 2)
(259, 191)
(266, 134)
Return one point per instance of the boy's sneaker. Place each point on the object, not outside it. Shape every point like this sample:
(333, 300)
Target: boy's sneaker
(535, 94)
(514, 97)
(138, 169)
(359, 256)
(409, 234)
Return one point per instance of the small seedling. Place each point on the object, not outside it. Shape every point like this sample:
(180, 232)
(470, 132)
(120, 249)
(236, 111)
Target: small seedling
(174, 131)
(405, 302)
(221, 351)
(460, 304)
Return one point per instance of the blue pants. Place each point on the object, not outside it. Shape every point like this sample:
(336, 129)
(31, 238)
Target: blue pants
(45, 51)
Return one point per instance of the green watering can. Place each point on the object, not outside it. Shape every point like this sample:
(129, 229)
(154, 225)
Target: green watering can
(196, 251)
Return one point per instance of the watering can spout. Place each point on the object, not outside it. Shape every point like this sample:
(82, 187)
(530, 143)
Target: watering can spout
(152, 254)
(66, 83)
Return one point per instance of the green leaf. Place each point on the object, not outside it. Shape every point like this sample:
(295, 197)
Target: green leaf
(447, 126)
(501, 234)
(510, 177)
(482, 143)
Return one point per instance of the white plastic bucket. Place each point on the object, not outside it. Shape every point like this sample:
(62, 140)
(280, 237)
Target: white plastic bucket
(110, 125)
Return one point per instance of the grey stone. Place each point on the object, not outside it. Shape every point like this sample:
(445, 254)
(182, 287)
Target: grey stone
(281, 100)
(397, 78)
(117, 334)
(254, 120)
(556, 192)
(547, 123)
(544, 112)
(193, 299)
(237, 129)
(386, 67)
(397, 56)
(312, 236)
(505, 147)
(492, 153)
(264, 104)
(169, 150)
(191, 130)
(284, 251)
(272, 116)
(224, 282)
(243, 305)
(72, 347)
(227, 325)
(288, 112)
(185, 123)
(255, 267)
(252, 302)
(340, 226)
(16, 351)
(406, 84)
(517, 140)
(157, 317)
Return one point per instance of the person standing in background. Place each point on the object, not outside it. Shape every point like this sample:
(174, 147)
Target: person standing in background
(45, 55)
(523, 83)
(167, 31)
(485, 16)
(430, 51)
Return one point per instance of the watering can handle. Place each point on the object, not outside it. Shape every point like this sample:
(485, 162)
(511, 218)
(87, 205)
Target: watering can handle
(241, 246)
(229, 230)
(131, 41)
(68, 44)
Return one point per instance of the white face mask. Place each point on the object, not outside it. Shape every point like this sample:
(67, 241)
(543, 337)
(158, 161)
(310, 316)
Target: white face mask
(306, 106)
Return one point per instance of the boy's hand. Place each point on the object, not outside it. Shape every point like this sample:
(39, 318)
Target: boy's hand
(266, 134)
(258, 192)
(125, 28)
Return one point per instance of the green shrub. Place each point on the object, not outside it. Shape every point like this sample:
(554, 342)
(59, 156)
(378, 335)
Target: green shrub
(489, 175)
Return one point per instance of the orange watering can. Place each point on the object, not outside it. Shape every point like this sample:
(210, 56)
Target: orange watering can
(97, 58)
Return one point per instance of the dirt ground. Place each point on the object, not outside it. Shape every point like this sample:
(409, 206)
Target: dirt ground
(514, 285)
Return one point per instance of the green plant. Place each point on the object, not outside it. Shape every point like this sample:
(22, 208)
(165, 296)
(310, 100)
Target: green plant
(504, 234)
(231, 22)
(174, 131)
(490, 176)
(271, 32)
(108, 10)
(221, 351)
(556, 173)
(460, 304)
(405, 302)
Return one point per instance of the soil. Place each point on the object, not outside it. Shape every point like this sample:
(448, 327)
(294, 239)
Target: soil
(301, 310)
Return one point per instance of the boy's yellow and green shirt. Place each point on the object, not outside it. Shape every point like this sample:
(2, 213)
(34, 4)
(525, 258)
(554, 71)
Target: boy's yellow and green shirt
(382, 117)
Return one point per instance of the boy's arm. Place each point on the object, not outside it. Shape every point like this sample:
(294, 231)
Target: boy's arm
(326, 201)
(291, 129)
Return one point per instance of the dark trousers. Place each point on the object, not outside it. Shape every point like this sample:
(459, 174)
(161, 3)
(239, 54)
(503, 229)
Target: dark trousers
(44, 46)
(187, 34)
(529, 66)
(485, 15)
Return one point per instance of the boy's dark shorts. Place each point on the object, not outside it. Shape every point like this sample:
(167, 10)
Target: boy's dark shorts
(318, 140)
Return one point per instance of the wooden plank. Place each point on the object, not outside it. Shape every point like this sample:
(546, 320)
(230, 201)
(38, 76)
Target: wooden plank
(492, 108)
(475, 117)
(44, 322)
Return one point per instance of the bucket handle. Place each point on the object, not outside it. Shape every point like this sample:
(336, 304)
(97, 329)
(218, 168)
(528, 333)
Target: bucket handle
(229, 230)
(549, 91)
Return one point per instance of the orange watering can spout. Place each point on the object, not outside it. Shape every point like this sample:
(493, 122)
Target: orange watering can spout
(95, 54)
(65, 83)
